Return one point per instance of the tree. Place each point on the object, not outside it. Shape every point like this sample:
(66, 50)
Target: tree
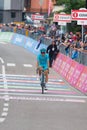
(69, 5)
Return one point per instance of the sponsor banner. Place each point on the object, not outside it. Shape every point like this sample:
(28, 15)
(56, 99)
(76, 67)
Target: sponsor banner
(21, 40)
(31, 45)
(62, 23)
(49, 7)
(28, 43)
(58, 62)
(79, 14)
(62, 18)
(71, 70)
(84, 86)
(6, 36)
(67, 66)
(76, 74)
(18, 39)
(82, 22)
(63, 65)
(37, 17)
(81, 83)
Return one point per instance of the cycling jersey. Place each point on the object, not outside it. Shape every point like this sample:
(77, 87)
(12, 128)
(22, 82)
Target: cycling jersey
(43, 61)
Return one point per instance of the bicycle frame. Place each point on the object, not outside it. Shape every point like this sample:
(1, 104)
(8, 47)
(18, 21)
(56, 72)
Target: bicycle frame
(42, 81)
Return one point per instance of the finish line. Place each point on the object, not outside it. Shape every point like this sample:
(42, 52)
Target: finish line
(45, 98)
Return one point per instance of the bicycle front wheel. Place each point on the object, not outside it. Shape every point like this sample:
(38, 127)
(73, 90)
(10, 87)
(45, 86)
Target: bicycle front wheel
(42, 83)
(43, 89)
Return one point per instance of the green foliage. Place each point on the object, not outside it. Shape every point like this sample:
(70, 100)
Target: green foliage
(72, 27)
(61, 2)
(69, 5)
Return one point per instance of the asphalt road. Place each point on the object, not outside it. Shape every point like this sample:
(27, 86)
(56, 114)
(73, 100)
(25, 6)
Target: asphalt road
(23, 107)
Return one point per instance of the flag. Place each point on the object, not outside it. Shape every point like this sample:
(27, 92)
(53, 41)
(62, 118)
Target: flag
(49, 7)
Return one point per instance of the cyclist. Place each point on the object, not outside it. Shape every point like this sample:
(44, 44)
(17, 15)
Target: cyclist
(43, 63)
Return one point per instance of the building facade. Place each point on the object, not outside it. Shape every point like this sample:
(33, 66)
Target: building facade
(11, 10)
(14, 10)
(37, 6)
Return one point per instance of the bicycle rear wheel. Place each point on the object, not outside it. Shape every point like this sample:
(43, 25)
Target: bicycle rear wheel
(42, 89)
(42, 83)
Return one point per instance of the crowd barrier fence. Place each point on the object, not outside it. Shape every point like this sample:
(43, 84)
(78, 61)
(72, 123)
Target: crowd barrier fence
(71, 71)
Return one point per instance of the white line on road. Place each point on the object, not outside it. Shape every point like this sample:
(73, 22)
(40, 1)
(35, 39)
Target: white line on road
(27, 65)
(11, 64)
(49, 99)
(6, 95)
(1, 60)
(50, 95)
(5, 109)
(2, 42)
(6, 104)
(4, 114)
(2, 119)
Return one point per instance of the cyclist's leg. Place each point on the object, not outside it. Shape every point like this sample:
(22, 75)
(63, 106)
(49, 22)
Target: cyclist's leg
(46, 74)
(40, 69)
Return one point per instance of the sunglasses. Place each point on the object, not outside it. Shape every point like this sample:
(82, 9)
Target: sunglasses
(42, 52)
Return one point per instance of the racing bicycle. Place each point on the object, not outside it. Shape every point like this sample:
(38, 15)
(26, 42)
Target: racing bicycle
(42, 80)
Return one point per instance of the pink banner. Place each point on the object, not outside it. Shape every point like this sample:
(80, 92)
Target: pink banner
(84, 86)
(82, 82)
(50, 6)
(67, 67)
(76, 74)
(71, 70)
(62, 67)
(57, 63)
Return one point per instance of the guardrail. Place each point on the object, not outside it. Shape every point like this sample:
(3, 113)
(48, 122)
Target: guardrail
(81, 58)
(71, 71)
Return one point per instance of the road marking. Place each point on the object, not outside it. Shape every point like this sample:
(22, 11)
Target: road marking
(4, 114)
(1, 60)
(11, 64)
(2, 42)
(5, 109)
(37, 90)
(46, 95)
(27, 65)
(6, 104)
(44, 98)
(6, 94)
(2, 119)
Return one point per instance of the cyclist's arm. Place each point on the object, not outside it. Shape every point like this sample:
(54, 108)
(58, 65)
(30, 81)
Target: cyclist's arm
(48, 61)
(37, 63)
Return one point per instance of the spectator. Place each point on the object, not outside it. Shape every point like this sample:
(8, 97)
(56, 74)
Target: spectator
(40, 41)
(85, 46)
(52, 50)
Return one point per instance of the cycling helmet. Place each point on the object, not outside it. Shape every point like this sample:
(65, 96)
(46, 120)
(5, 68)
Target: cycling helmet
(43, 50)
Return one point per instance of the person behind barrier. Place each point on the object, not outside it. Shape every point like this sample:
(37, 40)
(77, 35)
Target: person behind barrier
(43, 63)
(52, 51)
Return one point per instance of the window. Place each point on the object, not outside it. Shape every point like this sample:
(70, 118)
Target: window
(27, 3)
(13, 14)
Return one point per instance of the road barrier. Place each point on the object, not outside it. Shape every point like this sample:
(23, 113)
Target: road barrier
(21, 40)
(71, 71)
